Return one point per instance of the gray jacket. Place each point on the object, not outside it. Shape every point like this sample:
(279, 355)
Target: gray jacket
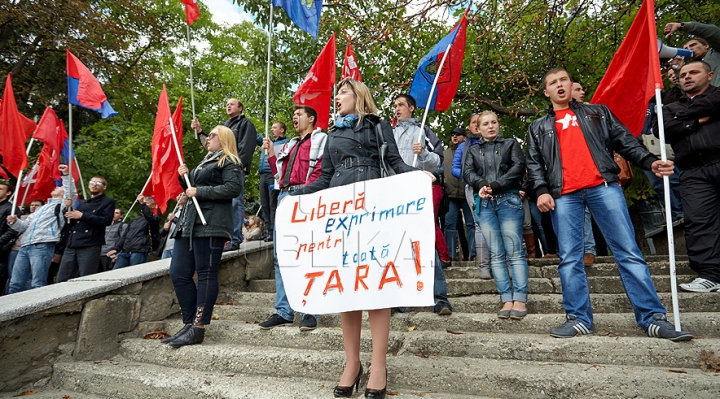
(406, 134)
(45, 224)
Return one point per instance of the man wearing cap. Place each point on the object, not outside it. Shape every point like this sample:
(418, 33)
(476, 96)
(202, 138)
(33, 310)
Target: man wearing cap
(455, 189)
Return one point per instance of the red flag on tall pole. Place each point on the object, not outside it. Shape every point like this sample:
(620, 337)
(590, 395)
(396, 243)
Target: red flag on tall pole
(633, 73)
(44, 179)
(350, 67)
(15, 130)
(192, 11)
(164, 183)
(317, 87)
(48, 130)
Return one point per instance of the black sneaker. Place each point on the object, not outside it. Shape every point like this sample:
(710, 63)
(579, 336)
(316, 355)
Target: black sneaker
(308, 323)
(661, 328)
(571, 328)
(230, 247)
(443, 309)
(274, 321)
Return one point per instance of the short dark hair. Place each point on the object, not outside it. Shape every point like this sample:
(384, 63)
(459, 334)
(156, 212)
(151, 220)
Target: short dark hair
(5, 182)
(700, 39)
(705, 65)
(410, 99)
(282, 125)
(120, 209)
(309, 111)
(38, 200)
(553, 71)
(100, 178)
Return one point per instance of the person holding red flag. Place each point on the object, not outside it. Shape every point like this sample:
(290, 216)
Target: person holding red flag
(570, 165)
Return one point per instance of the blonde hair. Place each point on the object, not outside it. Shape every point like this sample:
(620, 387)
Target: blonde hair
(485, 113)
(364, 104)
(228, 144)
(257, 222)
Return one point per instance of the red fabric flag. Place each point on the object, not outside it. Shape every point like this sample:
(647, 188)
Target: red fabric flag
(15, 129)
(192, 11)
(317, 87)
(48, 130)
(164, 183)
(84, 89)
(634, 72)
(44, 181)
(350, 67)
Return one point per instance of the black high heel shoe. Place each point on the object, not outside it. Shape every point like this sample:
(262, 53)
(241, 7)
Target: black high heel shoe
(377, 393)
(346, 392)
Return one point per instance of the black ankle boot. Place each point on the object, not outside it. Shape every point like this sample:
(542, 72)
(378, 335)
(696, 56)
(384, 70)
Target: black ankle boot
(177, 334)
(194, 335)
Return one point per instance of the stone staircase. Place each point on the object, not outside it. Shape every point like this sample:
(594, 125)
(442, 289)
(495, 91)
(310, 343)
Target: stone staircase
(471, 353)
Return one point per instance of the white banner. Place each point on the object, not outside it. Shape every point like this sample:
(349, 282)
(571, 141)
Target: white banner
(368, 245)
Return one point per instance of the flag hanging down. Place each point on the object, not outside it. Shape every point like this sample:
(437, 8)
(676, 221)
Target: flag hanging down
(164, 184)
(84, 89)
(192, 11)
(449, 76)
(42, 177)
(350, 67)
(15, 129)
(317, 87)
(304, 13)
(634, 72)
(48, 130)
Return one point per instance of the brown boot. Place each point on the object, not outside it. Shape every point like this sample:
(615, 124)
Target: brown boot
(530, 245)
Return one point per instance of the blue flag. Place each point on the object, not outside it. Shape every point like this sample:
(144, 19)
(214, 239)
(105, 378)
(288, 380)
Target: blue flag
(304, 13)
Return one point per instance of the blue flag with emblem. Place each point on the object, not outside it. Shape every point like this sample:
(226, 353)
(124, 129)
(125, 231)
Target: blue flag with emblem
(304, 13)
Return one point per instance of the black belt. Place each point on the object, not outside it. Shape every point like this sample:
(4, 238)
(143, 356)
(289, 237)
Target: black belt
(699, 160)
(355, 162)
(291, 188)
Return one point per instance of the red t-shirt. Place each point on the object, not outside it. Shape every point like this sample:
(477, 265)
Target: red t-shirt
(579, 170)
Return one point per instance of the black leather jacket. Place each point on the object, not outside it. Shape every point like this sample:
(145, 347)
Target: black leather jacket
(603, 132)
(7, 235)
(499, 164)
(141, 234)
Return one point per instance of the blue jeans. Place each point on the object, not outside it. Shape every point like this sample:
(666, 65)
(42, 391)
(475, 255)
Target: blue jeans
(166, 254)
(588, 238)
(481, 249)
(282, 305)
(501, 220)
(125, 259)
(196, 302)
(537, 221)
(32, 262)
(657, 184)
(451, 226)
(439, 286)
(607, 205)
(238, 206)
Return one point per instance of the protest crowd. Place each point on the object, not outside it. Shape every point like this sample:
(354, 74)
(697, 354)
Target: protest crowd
(499, 198)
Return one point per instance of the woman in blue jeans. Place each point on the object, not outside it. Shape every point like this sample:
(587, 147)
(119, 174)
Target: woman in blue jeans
(494, 168)
(198, 248)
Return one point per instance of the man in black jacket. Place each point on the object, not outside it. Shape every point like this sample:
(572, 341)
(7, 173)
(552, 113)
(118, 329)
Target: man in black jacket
(139, 236)
(570, 165)
(692, 126)
(86, 232)
(246, 137)
(7, 235)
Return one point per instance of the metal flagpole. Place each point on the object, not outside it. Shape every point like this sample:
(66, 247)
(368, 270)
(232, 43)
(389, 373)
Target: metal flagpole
(267, 85)
(668, 216)
(135, 201)
(192, 88)
(27, 152)
(427, 107)
(14, 201)
(187, 179)
(82, 182)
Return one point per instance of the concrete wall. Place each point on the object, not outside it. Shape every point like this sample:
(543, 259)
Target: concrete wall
(88, 317)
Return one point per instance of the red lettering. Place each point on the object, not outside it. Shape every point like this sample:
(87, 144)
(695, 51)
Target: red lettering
(345, 205)
(386, 279)
(416, 256)
(335, 208)
(312, 277)
(293, 219)
(360, 203)
(320, 207)
(334, 274)
(360, 277)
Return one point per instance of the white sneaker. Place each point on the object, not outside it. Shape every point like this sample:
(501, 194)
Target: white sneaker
(701, 285)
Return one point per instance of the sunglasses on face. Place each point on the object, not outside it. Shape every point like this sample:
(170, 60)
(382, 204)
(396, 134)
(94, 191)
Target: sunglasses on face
(211, 135)
(96, 183)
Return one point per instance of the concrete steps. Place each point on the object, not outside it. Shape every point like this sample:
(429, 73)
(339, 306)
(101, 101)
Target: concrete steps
(469, 354)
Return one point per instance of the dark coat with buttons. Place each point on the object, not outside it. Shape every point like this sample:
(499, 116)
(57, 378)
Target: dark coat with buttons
(89, 230)
(216, 187)
(351, 155)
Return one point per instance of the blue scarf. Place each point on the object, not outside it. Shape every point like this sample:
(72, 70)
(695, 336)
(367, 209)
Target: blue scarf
(346, 121)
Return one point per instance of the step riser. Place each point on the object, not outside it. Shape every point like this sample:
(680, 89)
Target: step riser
(682, 269)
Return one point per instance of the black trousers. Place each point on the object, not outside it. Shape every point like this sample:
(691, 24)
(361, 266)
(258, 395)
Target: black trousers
(700, 194)
(79, 262)
(268, 200)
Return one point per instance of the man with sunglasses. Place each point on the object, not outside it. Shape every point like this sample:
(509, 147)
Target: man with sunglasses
(86, 224)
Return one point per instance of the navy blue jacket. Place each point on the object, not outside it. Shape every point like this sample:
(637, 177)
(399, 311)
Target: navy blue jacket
(89, 230)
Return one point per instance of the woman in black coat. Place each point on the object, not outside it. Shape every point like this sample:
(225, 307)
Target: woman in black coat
(198, 248)
(351, 155)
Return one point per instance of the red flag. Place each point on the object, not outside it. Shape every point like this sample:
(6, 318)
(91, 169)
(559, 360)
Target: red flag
(192, 11)
(48, 130)
(84, 89)
(634, 72)
(15, 129)
(164, 183)
(44, 179)
(317, 87)
(350, 67)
